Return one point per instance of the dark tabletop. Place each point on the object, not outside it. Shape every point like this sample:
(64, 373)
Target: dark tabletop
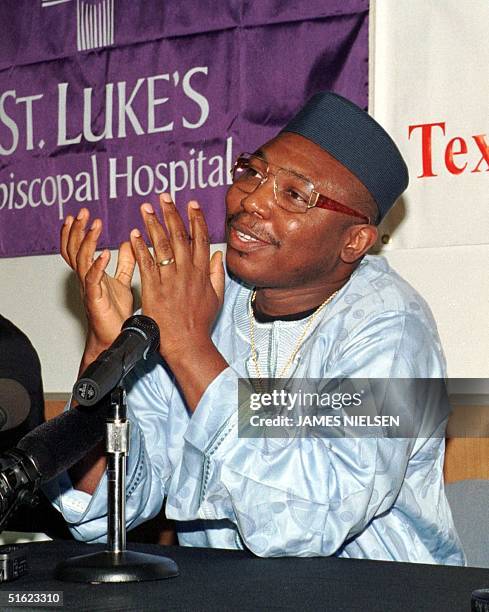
(213, 579)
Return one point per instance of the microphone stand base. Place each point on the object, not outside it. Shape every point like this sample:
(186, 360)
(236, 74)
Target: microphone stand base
(480, 600)
(107, 566)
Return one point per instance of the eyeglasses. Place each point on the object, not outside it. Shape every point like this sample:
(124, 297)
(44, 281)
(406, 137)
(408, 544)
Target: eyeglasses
(293, 192)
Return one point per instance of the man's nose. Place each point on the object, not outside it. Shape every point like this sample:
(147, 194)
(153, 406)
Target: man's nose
(260, 201)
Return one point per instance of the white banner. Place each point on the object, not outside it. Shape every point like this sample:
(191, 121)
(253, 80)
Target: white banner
(430, 89)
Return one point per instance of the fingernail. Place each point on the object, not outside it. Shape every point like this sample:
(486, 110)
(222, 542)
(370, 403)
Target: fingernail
(136, 233)
(148, 208)
(92, 227)
(194, 204)
(68, 219)
(80, 214)
(166, 197)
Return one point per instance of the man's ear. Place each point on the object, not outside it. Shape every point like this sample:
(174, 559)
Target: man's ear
(358, 239)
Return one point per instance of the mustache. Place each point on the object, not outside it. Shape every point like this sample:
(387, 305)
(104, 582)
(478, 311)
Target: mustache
(253, 224)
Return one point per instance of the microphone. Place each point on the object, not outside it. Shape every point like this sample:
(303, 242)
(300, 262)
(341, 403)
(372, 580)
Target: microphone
(55, 446)
(15, 404)
(46, 452)
(139, 337)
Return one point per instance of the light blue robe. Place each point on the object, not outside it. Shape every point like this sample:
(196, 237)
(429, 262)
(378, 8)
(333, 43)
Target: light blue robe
(376, 498)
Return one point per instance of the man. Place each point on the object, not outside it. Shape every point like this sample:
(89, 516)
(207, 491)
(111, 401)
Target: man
(22, 402)
(304, 301)
(20, 382)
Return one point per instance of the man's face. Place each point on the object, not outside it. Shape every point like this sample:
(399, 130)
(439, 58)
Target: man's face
(290, 249)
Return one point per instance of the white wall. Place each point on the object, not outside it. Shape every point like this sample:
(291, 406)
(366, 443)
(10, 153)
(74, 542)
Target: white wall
(41, 297)
(455, 283)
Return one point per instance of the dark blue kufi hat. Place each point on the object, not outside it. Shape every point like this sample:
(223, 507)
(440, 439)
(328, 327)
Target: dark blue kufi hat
(357, 141)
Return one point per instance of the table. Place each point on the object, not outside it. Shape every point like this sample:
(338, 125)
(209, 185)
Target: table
(219, 580)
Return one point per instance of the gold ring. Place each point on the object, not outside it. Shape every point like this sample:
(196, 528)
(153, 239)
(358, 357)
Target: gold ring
(166, 262)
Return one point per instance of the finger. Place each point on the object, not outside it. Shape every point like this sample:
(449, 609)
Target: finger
(178, 235)
(200, 236)
(161, 245)
(88, 246)
(217, 276)
(77, 233)
(63, 239)
(145, 261)
(93, 278)
(126, 262)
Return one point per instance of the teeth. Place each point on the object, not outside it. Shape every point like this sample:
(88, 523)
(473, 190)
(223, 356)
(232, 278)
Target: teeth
(246, 237)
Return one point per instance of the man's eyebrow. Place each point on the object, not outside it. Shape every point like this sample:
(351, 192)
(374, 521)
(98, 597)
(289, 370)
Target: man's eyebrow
(261, 153)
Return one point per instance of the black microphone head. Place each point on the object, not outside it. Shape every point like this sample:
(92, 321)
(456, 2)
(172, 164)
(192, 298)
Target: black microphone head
(139, 337)
(61, 442)
(87, 392)
(147, 326)
(15, 404)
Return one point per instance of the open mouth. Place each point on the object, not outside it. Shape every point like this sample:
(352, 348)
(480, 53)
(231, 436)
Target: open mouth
(244, 240)
(246, 237)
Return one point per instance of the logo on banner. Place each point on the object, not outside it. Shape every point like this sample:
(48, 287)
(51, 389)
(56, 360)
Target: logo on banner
(94, 22)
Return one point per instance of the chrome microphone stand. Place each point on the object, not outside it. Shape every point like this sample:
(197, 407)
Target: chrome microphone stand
(116, 564)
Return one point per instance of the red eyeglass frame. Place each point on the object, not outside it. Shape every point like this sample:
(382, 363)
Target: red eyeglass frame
(323, 201)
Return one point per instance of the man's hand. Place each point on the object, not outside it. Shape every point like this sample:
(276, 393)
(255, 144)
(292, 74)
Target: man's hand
(182, 291)
(108, 300)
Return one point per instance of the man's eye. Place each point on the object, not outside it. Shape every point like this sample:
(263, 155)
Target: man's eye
(251, 172)
(256, 171)
(295, 195)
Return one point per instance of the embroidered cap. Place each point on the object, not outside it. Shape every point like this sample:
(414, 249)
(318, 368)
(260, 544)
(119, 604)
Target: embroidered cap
(357, 141)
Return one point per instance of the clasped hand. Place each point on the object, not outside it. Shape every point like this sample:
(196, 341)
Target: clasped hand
(182, 289)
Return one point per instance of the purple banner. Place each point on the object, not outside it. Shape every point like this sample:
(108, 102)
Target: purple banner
(106, 103)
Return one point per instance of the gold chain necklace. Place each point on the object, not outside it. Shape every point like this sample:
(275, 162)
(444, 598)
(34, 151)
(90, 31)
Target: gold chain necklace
(254, 354)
